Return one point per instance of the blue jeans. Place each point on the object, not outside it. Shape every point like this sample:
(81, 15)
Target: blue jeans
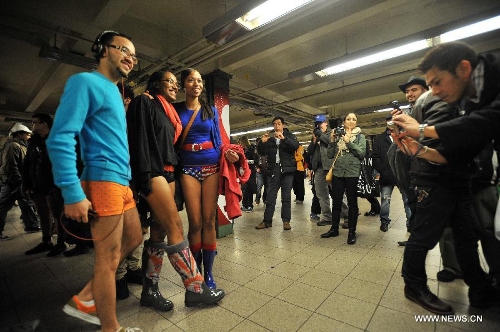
(260, 183)
(276, 182)
(385, 204)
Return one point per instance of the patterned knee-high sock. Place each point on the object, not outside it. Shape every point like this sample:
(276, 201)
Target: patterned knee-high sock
(152, 261)
(182, 260)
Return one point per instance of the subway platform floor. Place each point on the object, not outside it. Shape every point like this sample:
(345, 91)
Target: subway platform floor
(274, 280)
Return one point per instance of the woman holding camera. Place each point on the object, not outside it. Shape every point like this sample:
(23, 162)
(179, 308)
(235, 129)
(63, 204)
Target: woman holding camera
(348, 147)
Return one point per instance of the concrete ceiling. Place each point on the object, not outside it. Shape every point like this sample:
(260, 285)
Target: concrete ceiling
(270, 66)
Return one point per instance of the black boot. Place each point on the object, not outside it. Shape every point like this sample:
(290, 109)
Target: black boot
(334, 231)
(353, 222)
(152, 261)
(351, 237)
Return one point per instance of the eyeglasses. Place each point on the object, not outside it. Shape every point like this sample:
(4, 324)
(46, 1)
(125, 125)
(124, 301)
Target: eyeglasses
(172, 82)
(126, 52)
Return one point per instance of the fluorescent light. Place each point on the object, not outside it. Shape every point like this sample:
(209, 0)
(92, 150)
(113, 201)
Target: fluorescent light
(374, 58)
(471, 30)
(269, 11)
(461, 33)
(403, 107)
(252, 131)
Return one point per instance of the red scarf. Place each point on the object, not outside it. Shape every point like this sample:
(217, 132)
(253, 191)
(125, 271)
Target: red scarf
(172, 115)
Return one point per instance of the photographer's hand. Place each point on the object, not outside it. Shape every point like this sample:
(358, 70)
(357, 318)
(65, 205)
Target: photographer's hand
(409, 124)
(265, 137)
(314, 139)
(347, 136)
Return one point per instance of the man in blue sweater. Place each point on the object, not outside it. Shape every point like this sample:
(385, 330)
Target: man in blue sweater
(92, 108)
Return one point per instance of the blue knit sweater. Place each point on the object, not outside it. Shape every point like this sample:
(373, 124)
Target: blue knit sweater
(92, 109)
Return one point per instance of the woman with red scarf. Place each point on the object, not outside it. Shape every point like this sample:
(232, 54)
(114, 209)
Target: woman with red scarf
(153, 129)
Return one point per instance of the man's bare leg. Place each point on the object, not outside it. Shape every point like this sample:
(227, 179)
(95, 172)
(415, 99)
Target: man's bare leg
(108, 253)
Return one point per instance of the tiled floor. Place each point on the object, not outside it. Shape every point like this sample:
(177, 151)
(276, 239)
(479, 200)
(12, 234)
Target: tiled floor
(274, 280)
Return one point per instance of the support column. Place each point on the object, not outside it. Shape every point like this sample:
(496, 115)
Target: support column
(217, 88)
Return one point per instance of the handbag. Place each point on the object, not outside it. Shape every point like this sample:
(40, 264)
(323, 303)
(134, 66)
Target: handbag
(178, 195)
(329, 175)
(366, 183)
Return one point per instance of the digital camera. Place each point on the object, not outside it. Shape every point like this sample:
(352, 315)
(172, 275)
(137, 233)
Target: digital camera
(339, 131)
(395, 105)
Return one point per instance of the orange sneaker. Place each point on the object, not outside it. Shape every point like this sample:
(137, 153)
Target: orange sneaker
(81, 311)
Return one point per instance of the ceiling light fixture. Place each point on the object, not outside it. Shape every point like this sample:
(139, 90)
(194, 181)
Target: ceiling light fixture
(471, 30)
(461, 33)
(248, 16)
(269, 11)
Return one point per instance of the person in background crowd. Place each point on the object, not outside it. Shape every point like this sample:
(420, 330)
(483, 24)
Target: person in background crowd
(261, 176)
(387, 180)
(199, 161)
(130, 269)
(38, 184)
(250, 187)
(13, 154)
(350, 146)
(279, 147)
(413, 89)
(299, 175)
(91, 108)
(321, 163)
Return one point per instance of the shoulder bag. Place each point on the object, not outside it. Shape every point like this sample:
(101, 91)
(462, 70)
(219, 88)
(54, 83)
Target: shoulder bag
(178, 195)
(329, 175)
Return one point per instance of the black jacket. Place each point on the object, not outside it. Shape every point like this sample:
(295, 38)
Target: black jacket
(287, 149)
(433, 111)
(151, 141)
(381, 144)
(37, 168)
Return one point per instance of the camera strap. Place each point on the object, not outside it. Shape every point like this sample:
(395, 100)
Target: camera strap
(90, 239)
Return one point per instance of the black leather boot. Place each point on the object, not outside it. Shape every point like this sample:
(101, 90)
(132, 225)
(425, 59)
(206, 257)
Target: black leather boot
(151, 297)
(353, 222)
(208, 296)
(152, 261)
(334, 231)
(351, 237)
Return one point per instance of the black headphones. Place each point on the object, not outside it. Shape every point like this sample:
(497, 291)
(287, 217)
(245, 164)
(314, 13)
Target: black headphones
(98, 47)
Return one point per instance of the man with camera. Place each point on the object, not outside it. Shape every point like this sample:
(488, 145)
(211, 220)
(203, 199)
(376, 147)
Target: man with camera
(400, 163)
(320, 164)
(468, 83)
(279, 147)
